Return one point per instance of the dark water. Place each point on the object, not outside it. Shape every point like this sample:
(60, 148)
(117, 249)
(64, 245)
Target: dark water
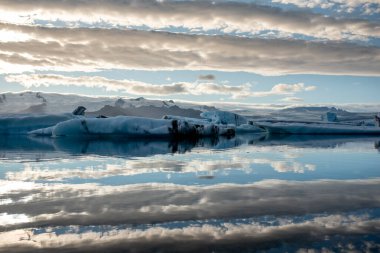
(251, 193)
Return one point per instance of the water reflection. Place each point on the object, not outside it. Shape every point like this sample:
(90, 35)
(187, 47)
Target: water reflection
(38, 148)
(90, 204)
(250, 193)
(50, 148)
(317, 141)
(226, 237)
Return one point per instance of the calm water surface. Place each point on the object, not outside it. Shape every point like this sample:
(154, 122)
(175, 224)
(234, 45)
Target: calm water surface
(251, 193)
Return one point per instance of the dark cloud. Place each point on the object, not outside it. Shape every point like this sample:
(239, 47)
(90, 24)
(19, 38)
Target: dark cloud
(367, 7)
(207, 15)
(208, 77)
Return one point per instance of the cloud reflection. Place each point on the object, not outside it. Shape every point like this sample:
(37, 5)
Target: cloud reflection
(92, 204)
(222, 238)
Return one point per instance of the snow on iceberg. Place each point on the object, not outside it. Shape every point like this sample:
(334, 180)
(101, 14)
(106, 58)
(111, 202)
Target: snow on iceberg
(190, 120)
(240, 123)
(133, 127)
(317, 128)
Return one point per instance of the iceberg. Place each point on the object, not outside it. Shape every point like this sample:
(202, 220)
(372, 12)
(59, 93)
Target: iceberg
(224, 118)
(128, 126)
(22, 124)
(317, 128)
(243, 128)
(330, 117)
(249, 128)
(377, 120)
(190, 120)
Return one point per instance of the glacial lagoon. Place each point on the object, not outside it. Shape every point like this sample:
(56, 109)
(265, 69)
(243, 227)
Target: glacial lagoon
(249, 193)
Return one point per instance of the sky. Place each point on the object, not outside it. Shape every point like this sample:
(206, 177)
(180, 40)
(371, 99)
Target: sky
(269, 52)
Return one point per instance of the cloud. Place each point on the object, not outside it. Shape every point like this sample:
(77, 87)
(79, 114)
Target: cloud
(208, 77)
(128, 86)
(367, 7)
(292, 99)
(205, 15)
(86, 49)
(141, 88)
(284, 89)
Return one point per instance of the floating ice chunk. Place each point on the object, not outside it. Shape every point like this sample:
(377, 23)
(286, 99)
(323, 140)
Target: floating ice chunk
(223, 117)
(112, 126)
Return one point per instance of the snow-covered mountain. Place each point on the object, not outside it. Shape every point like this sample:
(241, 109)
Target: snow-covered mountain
(314, 113)
(51, 103)
(46, 103)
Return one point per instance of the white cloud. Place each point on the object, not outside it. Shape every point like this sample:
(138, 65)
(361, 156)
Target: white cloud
(141, 88)
(292, 99)
(285, 89)
(128, 86)
(367, 7)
